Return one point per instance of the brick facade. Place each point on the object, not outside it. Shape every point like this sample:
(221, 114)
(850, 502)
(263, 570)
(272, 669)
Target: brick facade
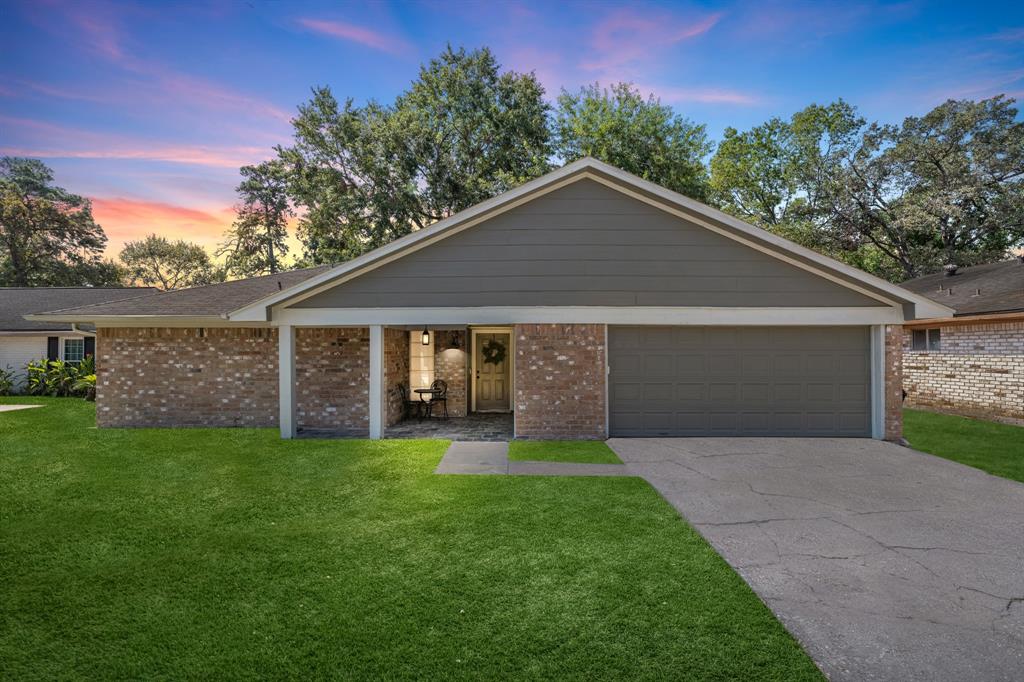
(893, 382)
(332, 379)
(450, 365)
(979, 371)
(169, 376)
(396, 372)
(560, 380)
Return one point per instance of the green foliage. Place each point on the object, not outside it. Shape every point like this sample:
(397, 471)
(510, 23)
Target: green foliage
(460, 134)
(47, 235)
(7, 383)
(641, 136)
(947, 187)
(59, 379)
(158, 262)
(898, 201)
(257, 241)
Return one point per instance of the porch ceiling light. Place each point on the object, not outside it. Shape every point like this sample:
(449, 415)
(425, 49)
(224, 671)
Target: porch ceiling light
(426, 337)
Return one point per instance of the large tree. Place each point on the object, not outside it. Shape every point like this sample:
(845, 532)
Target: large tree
(257, 241)
(47, 235)
(158, 262)
(637, 134)
(947, 187)
(363, 175)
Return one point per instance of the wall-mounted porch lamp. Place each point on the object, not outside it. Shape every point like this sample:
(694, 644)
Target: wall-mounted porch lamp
(426, 337)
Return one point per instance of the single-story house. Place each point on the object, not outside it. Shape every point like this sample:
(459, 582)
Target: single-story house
(587, 302)
(23, 341)
(970, 363)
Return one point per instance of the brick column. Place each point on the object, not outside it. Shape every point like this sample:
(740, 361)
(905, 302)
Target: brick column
(560, 381)
(893, 382)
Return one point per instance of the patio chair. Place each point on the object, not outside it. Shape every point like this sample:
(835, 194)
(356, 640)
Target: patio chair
(409, 406)
(440, 397)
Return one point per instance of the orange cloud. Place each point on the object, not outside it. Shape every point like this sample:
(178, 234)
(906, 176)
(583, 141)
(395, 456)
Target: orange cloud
(125, 220)
(357, 34)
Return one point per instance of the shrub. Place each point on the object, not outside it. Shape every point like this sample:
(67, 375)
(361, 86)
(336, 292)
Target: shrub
(60, 378)
(7, 380)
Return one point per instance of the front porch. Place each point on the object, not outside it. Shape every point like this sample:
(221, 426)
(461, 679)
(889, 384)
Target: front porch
(477, 426)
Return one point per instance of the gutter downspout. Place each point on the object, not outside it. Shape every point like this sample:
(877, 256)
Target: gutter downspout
(76, 330)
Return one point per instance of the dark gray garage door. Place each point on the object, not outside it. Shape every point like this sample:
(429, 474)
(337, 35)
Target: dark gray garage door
(739, 381)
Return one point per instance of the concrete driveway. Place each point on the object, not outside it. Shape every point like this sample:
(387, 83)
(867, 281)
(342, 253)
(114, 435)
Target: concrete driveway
(886, 563)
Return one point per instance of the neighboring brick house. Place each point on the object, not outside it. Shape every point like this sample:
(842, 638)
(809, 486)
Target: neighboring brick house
(587, 303)
(971, 363)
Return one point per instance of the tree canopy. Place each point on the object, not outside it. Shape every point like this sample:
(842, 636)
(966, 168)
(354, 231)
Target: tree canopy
(257, 241)
(47, 235)
(639, 135)
(159, 262)
(462, 132)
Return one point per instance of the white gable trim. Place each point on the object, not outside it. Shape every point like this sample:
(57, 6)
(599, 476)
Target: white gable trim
(671, 202)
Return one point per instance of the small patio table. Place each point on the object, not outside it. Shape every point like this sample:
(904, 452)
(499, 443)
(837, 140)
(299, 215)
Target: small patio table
(424, 392)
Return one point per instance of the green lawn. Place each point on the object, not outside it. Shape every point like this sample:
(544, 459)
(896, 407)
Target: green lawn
(588, 451)
(989, 446)
(232, 554)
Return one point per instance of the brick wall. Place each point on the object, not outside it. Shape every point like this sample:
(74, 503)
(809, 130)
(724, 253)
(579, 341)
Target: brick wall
(560, 381)
(979, 371)
(450, 358)
(893, 382)
(332, 375)
(396, 371)
(164, 376)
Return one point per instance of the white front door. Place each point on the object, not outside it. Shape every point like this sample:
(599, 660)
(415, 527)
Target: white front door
(492, 359)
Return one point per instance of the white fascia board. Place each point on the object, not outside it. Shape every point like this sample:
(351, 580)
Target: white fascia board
(355, 317)
(673, 202)
(146, 320)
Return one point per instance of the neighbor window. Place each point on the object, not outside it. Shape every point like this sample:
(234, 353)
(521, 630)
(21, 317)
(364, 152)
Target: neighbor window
(74, 350)
(927, 339)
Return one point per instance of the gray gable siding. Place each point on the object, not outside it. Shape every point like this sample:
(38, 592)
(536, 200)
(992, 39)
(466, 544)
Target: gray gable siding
(587, 245)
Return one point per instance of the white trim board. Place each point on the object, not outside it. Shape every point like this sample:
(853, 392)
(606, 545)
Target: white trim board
(669, 201)
(496, 315)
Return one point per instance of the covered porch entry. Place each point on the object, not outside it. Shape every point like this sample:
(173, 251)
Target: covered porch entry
(419, 381)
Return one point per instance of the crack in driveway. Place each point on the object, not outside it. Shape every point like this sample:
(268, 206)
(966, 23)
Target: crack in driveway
(921, 580)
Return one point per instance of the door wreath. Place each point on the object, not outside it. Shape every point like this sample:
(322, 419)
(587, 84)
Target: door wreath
(493, 352)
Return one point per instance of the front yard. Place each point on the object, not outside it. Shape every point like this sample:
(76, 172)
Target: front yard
(989, 446)
(230, 553)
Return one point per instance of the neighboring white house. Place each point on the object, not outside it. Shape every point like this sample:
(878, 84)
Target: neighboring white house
(22, 341)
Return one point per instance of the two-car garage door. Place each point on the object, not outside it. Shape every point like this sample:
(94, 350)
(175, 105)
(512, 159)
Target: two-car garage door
(739, 381)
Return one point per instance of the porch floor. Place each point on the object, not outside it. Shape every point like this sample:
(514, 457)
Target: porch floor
(478, 426)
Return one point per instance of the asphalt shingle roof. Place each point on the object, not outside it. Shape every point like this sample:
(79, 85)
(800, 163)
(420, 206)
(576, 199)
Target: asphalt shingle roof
(210, 300)
(989, 288)
(15, 302)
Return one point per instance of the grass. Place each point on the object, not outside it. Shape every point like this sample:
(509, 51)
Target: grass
(588, 451)
(989, 446)
(195, 552)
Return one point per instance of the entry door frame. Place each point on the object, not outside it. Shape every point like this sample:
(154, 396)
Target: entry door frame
(473, 331)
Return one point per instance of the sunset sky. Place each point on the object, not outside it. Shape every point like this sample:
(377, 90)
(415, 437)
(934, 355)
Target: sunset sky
(150, 107)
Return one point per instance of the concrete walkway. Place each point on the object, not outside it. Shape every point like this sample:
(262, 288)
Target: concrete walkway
(470, 457)
(12, 408)
(885, 563)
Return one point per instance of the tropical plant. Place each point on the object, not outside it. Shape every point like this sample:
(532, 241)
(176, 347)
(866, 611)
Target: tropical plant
(61, 379)
(7, 380)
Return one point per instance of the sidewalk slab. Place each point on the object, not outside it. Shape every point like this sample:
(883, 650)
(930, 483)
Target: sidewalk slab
(465, 457)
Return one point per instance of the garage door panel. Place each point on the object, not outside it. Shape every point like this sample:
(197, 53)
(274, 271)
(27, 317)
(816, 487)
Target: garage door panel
(749, 381)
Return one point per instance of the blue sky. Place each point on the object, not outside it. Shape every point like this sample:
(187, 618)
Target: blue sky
(149, 107)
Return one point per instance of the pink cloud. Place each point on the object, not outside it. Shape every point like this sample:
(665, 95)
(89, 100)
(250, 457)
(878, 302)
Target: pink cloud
(703, 95)
(47, 140)
(125, 220)
(626, 36)
(357, 34)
